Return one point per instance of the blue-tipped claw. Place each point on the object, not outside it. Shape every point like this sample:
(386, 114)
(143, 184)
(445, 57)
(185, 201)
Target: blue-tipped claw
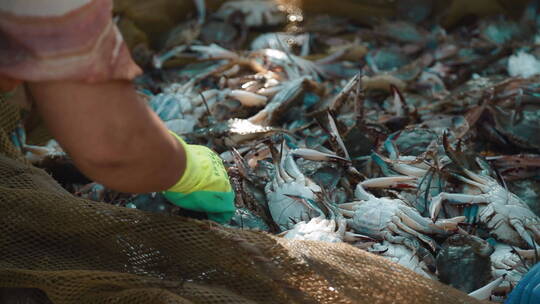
(382, 164)
(471, 212)
(290, 141)
(390, 147)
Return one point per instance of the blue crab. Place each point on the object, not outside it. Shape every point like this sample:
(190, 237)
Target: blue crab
(510, 264)
(392, 219)
(283, 191)
(507, 217)
(404, 256)
(182, 108)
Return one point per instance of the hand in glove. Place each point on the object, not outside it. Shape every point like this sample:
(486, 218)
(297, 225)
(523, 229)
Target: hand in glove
(204, 186)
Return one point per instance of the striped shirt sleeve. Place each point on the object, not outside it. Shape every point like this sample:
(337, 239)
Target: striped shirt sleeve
(44, 40)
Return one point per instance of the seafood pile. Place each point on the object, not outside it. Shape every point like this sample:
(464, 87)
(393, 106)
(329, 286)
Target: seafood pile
(401, 137)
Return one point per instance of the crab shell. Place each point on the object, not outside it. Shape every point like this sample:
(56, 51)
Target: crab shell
(403, 256)
(373, 217)
(290, 193)
(285, 210)
(391, 219)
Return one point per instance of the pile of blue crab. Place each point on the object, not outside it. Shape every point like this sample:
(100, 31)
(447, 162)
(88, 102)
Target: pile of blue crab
(402, 138)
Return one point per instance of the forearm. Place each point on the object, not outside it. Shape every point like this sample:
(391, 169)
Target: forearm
(111, 134)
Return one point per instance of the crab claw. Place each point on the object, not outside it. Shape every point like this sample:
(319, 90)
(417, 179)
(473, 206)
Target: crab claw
(526, 253)
(390, 181)
(317, 155)
(355, 237)
(435, 207)
(450, 224)
(390, 146)
(471, 212)
(347, 209)
(248, 99)
(378, 159)
(361, 193)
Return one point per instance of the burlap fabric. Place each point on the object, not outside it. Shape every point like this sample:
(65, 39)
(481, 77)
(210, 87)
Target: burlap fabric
(71, 250)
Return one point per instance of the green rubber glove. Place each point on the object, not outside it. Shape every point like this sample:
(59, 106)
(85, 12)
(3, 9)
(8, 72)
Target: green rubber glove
(204, 186)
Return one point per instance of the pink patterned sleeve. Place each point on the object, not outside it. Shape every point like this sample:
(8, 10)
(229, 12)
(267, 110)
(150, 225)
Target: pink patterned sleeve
(62, 40)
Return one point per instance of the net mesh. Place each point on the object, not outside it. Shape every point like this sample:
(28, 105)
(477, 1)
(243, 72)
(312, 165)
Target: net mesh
(63, 249)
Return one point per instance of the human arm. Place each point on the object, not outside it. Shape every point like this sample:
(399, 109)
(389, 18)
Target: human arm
(115, 139)
(78, 71)
(111, 134)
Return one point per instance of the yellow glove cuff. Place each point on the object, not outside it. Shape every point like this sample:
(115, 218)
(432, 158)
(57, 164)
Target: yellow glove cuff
(204, 171)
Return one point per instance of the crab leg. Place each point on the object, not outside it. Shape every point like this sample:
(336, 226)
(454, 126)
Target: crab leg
(353, 237)
(292, 169)
(201, 11)
(349, 206)
(315, 155)
(475, 182)
(158, 61)
(335, 133)
(526, 253)
(361, 193)
(335, 104)
(284, 174)
(396, 220)
(450, 224)
(346, 235)
(409, 170)
(248, 99)
(398, 239)
(475, 176)
(347, 213)
(535, 230)
(278, 180)
(384, 182)
(382, 164)
(453, 198)
(483, 293)
(422, 224)
(527, 237)
(395, 229)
